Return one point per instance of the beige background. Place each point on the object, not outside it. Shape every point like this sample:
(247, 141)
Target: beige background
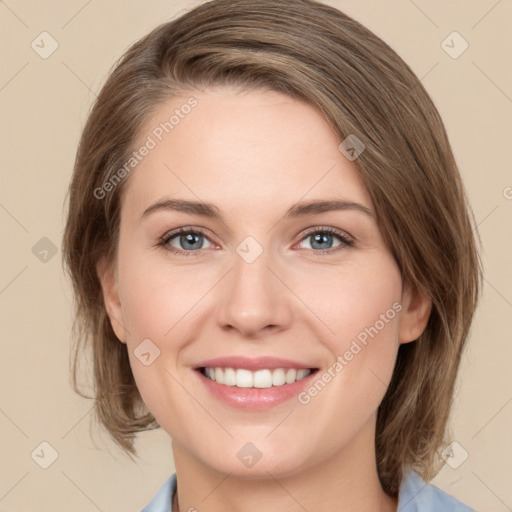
(43, 108)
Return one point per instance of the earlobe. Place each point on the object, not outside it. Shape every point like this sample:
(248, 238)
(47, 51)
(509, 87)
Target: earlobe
(416, 312)
(106, 275)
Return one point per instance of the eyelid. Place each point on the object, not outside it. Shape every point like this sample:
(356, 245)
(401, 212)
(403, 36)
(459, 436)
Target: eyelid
(328, 229)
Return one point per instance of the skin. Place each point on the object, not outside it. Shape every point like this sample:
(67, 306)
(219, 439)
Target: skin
(254, 154)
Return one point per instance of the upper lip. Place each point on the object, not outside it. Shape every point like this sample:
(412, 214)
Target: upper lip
(257, 363)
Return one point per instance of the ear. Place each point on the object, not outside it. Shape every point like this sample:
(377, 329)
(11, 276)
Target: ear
(415, 314)
(108, 279)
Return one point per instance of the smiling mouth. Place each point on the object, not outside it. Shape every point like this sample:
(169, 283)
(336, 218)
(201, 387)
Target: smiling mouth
(264, 378)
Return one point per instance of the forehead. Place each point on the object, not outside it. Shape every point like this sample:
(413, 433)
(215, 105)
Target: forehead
(241, 150)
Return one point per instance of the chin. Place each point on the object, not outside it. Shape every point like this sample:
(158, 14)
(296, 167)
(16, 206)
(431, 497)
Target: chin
(247, 462)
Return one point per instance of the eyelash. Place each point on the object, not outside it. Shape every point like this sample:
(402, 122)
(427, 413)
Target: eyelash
(165, 239)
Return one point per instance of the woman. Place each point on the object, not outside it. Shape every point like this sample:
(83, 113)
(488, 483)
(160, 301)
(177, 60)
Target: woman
(273, 260)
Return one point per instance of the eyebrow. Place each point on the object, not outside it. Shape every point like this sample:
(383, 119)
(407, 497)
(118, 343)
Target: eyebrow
(297, 210)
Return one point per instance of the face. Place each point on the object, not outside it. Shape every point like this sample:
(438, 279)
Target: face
(279, 286)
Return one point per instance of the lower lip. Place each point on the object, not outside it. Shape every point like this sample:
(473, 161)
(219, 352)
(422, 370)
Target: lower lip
(255, 399)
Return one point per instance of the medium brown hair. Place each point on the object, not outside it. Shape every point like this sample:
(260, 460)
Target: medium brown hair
(319, 55)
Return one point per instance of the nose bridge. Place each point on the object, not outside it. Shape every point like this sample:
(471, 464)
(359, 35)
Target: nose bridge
(253, 297)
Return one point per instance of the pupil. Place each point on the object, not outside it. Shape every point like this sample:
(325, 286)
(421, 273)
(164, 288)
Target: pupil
(321, 238)
(189, 240)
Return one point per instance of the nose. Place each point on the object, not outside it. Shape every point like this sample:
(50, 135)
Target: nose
(254, 299)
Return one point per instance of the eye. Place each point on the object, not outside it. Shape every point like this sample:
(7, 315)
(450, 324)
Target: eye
(187, 240)
(321, 240)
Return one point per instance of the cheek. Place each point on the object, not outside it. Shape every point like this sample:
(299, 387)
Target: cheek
(365, 344)
(359, 301)
(361, 307)
(158, 299)
(160, 305)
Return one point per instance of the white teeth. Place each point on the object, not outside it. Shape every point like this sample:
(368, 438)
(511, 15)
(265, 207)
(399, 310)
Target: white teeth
(229, 377)
(278, 377)
(290, 376)
(262, 379)
(243, 378)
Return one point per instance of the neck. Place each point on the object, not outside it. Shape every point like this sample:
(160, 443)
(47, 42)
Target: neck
(346, 482)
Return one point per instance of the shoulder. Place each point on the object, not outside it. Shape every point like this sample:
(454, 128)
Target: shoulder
(161, 502)
(418, 496)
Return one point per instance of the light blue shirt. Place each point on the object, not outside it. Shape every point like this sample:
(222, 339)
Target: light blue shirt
(415, 496)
